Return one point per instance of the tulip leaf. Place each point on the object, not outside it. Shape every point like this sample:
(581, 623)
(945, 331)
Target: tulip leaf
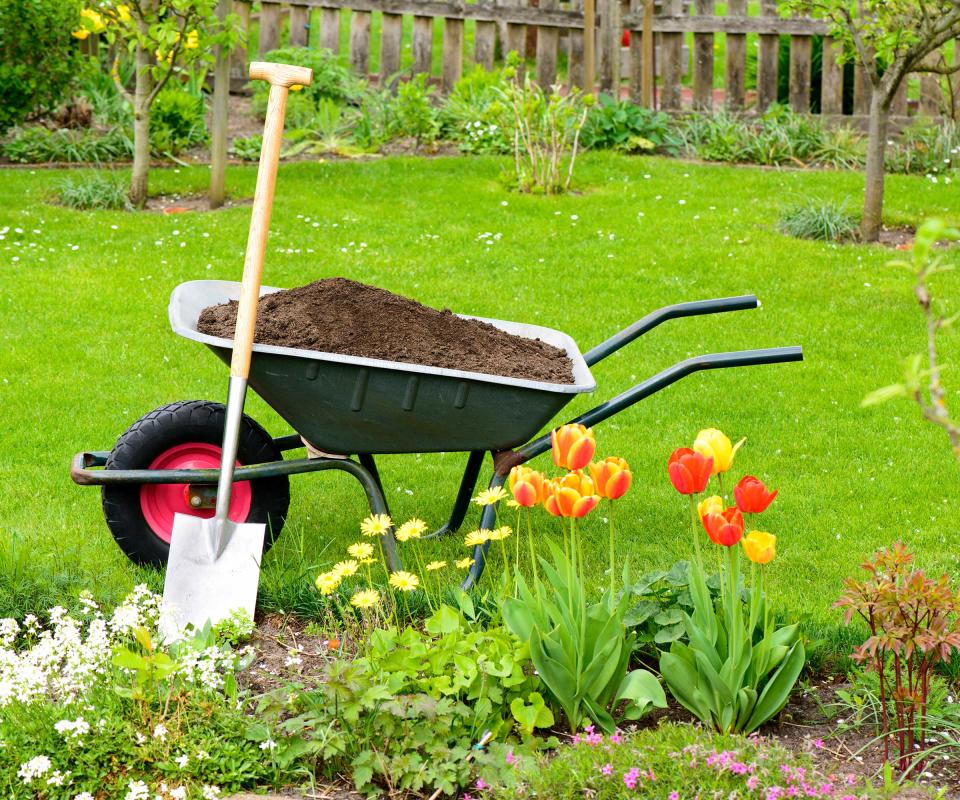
(777, 691)
(518, 619)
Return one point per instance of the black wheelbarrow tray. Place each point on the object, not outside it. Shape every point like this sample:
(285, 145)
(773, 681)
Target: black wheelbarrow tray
(167, 461)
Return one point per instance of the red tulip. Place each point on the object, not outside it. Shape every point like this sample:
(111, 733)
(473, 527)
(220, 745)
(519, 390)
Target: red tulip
(689, 471)
(752, 496)
(611, 477)
(725, 528)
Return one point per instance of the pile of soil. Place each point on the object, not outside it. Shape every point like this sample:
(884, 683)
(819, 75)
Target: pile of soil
(336, 315)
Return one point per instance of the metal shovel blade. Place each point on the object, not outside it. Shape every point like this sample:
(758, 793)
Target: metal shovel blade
(202, 586)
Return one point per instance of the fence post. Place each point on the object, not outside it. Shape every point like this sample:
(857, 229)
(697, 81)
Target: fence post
(899, 107)
(589, 44)
(238, 56)
(299, 26)
(547, 41)
(671, 51)
(360, 42)
(768, 61)
(931, 94)
(831, 85)
(610, 34)
(423, 44)
(330, 29)
(269, 26)
(516, 35)
(801, 48)
(703, 61)
(452, 52)
(391, 42)
(575, 54)
(736, 66)
(218, 132)
(484, 43)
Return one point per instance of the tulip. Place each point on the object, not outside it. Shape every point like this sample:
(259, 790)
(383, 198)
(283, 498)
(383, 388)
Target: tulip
(573, 446)
(526, 485)
(760, 546)
(725, 528)
(714, 443)
(570, 496)
(711, 505)
(611, 477)
(752, 496)
(689, 471)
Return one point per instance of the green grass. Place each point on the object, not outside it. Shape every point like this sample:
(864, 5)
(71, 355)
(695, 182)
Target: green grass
(87, 349)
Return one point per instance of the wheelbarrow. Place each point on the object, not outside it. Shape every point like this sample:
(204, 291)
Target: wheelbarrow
(168, 461)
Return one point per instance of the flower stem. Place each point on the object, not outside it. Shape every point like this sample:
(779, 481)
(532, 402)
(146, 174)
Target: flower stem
(695, 521)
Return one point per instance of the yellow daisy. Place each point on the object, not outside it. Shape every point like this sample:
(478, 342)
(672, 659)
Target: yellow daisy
(365, 598)
(344, 569)
(404, 581)
(433, 565)
(500, 533)
(475, 538)
(376, 525)
(465, 563)
(411, 529)
(361, 550)
(327, 582)
(490, 496)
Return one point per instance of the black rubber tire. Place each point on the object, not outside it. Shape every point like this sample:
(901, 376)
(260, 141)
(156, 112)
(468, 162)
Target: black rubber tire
(171, 425)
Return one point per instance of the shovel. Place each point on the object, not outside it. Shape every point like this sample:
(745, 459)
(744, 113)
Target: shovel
(214, 565)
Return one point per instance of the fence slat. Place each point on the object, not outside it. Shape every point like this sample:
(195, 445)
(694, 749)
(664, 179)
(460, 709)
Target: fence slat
(736, 62)
(768, 61)
(485, 44)
(238, 56)
(801, 51)
(452, 52)
(360, 42)
(831, 86)
(547, 41)
(635, 71)
(671, 51)
(575, 74)
(423, 44)
(516, 34)
(703, 61)
(269, 27)
(330, 29)
(391, 42)
(609, 46)
(931, 94)
(299, 26)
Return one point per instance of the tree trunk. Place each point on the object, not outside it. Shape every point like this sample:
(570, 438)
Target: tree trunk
(876, 149)
(141, 129)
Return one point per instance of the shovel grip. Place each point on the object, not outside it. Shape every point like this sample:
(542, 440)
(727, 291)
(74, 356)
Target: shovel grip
(280, 77)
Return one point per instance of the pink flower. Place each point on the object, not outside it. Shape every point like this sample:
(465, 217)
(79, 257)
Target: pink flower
(818, 743)
(752, 782)
(630, 777)
(674, 796)
(481, 785)
(616, 738)
(510, 758)
(607, 769)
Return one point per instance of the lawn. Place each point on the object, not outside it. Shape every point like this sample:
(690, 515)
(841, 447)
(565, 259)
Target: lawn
(87, 349)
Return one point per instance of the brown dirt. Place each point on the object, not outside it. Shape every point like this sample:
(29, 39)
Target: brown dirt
(182, 204)
(336, 315)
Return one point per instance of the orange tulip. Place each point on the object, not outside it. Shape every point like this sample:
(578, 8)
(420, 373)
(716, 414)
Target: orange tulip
(573, 446)
(689, 471)
(611, 477)
(760, 546)
(526, 485)
(752, 496)
(725, 528)
(570, 496)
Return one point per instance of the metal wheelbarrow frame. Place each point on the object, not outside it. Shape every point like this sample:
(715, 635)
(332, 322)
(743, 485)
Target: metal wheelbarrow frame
(87, 467)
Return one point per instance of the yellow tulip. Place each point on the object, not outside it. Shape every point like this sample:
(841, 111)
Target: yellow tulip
(715, 444)
(760, 546)
(711, 505)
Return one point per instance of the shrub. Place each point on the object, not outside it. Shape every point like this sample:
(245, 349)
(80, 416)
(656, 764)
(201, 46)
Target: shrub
(96, 191)
(668, 762)
(931, 150)
(332, 78)
(625, 126)
(38, 56)
(823, 220)
(247, 148)
(177, 122)
(38, 145)
(913, 622)
(413, 111)
(470, 114)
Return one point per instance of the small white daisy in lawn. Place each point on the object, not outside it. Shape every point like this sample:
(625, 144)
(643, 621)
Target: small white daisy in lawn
(269, 744)
(182, 761)
(137, 790)
(36, 767)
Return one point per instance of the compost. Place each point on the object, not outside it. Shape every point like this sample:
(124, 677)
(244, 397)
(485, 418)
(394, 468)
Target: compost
(337, 315)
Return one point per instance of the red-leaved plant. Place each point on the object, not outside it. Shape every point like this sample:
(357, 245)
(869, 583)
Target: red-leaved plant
(913, 625)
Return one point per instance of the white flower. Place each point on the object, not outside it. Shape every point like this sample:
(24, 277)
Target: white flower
(137, 790)
(72, 729)
(160, 731)
(57, 778)
(182, 761)
(269, 744)
(211, 793)
(202, 755)
(178, 793)
(141, 739)
(36, 767)
(84, 796)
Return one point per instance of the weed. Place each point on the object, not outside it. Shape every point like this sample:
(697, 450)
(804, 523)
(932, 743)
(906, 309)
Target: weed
(822, 220)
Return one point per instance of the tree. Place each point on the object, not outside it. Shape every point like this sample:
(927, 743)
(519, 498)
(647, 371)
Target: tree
(162, 37)
(890, 39)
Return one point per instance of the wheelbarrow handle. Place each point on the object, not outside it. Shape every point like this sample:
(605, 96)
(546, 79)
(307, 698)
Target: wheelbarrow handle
(654, 318)
(740, 358)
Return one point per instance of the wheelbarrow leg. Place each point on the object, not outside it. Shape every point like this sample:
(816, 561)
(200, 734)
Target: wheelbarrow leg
(464, 494)
(487, 520)
(366, 473)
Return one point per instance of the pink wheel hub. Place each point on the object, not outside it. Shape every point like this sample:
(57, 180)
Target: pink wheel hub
(160, 501)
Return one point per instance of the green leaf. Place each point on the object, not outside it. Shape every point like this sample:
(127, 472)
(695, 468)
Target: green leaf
(669, 634)
(643, 689)
(445, 620)
(878, 396)
(777, 691)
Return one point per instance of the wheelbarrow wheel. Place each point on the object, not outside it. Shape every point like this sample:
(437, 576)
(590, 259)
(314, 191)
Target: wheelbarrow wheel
(186, 435)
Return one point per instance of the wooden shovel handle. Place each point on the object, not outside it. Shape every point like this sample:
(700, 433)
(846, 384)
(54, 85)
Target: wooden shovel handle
(280, 77)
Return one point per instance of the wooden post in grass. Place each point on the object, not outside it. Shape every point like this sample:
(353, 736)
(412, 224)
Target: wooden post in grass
(589, 44)
(218, 132)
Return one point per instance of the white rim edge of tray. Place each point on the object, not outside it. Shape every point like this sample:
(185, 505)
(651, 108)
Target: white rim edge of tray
(186, 303)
